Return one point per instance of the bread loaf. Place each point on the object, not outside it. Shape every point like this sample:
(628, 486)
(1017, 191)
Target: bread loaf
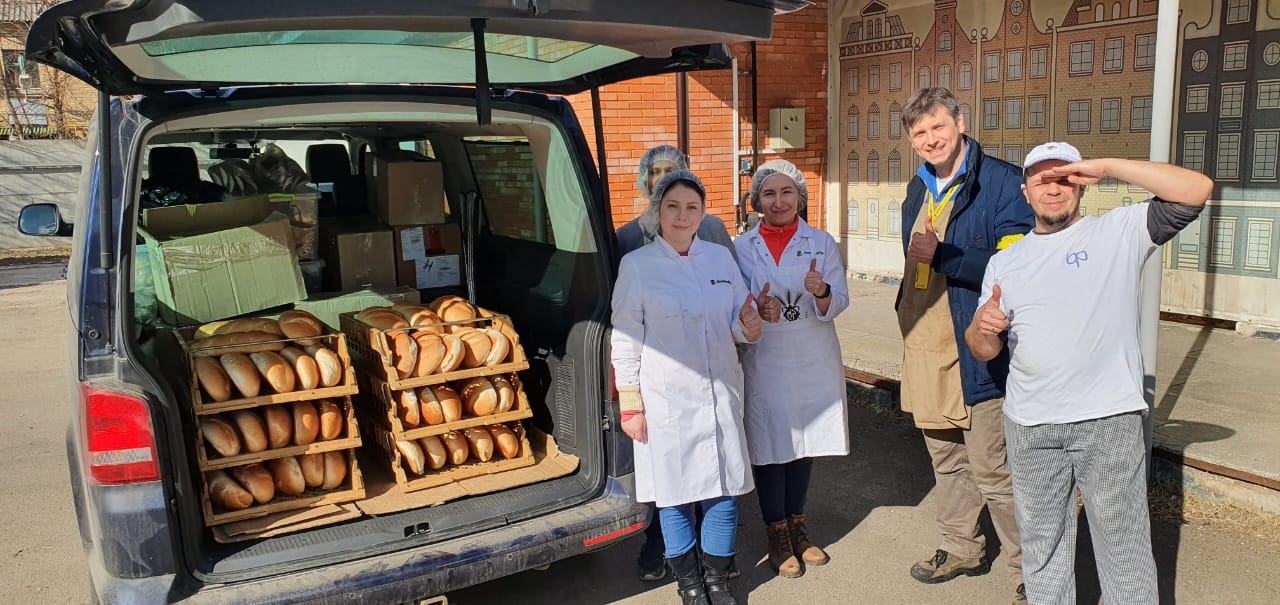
(335, 469)
(502, 324)
(306, 423)
(329, 363)
(506, 393)
(214, 380)
(404, 353)
(225, 492)
(252, 433)
(450, 403)
(331, 420)
(411, 454)
(432, 414)
(436, 454)
(408, 408)
(243, 373)
(499, 347)
(220, 435)
(430, 353)
(480, 442)
(479, 398)
(288, 475)
(453, 353)
(277, 371)
(418, 315)
(238, 342)
(506, 440)
(304, 367)
(312, 466)
(279, 426)
(381, 318)
(477, 345)
(233, 326)
(453, 308)
(457, 445)
(302, 325)
(257, 479)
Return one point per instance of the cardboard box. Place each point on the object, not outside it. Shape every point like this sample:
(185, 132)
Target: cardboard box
(408, 189)
(357, 254)
(429, 256)
(328, 306)
(221, 259)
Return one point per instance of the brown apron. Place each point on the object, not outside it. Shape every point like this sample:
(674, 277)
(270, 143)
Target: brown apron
(931, 388)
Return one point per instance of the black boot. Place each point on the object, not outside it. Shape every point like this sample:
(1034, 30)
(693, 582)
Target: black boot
(715, 573)
(688, 571)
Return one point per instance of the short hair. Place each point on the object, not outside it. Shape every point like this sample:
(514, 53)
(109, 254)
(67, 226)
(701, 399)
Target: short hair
(925, 101)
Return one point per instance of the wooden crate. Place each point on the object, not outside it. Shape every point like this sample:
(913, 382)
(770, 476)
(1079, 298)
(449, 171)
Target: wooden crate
(351, 490)
(384, 398)
(335, 341)
(349, 441)
(384, 446)
(371, 352)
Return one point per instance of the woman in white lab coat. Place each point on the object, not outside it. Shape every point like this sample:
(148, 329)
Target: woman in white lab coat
(679, 308)
(795, 376)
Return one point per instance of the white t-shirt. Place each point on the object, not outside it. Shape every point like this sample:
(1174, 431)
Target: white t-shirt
(1072, 302)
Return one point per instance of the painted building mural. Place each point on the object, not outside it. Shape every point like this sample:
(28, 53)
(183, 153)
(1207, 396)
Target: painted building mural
(1030, 71)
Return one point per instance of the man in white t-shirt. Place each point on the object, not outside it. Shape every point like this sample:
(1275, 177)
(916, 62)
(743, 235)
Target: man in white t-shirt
(1067, 297)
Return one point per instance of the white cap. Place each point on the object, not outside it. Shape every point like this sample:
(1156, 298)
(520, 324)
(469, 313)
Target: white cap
(1051, 151)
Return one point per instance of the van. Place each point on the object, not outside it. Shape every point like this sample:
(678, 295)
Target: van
(469, 85)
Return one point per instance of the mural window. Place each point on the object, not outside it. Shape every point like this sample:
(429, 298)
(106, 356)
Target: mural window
(1198, 99)
(895, 218)
(873, 78)
(852, 224)
(1265, 146)
(944, 41)
(895, 121)
(1232, 103)
(1237, 11)
(1199, 60)
(873, 168)
(924, 77)
(991, 113)
(992, 72)
(1113, 55)
(1222, 244)
(1013, 67)
(851, 78)
(895, 76)
(1039, 61)
(1013, 154)
(966, 113)
(853, 122)
(895, 168)
(1271, 54)
(852, 168)
(1140, 114)
(1144, 56)
(966, 76)
(1110, 115)
(944, 76)
(1015, 8)
(1081, 58)
(1079, 116)
(1228, 161)
(873, 122)
(1035, 112)
(1109, 183)
(1013, 113)
(1193, 151)
(1269, 94)
(1235, 56)
(1257, 253)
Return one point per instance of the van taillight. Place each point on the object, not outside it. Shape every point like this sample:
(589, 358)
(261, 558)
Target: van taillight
(120, 443)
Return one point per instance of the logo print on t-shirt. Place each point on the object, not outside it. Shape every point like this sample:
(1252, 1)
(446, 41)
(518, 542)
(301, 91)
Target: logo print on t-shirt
(1075, 258)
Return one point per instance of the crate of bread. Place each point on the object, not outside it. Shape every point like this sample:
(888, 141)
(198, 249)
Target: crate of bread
(281, 484)
(439, 408)
(243, 363)
(410, 345)
(439, 459)
(276, 430)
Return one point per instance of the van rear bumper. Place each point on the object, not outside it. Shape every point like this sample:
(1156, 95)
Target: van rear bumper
(422, 572)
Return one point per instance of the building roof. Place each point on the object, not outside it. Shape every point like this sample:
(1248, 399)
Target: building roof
(22, 11)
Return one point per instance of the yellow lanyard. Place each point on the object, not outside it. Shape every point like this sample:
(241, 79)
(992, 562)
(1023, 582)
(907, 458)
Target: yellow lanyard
(935, 212)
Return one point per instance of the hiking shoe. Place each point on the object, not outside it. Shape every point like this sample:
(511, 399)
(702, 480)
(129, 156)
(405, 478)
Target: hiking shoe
(654, 574)
(1020, 595)
(945, 566)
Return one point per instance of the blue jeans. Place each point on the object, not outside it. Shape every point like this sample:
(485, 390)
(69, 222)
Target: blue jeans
(719, 527)
(782, 489)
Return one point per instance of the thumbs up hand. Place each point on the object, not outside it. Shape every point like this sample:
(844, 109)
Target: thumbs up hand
(923, 245)
(991, 320)
(752, 327)
(770, 307)
(813, 280)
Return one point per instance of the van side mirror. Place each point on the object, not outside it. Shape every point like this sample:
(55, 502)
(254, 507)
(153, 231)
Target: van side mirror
(42, 220)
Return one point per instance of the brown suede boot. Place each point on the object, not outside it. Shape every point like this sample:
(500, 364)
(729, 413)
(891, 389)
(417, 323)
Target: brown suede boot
(781, 553)
(810, 554)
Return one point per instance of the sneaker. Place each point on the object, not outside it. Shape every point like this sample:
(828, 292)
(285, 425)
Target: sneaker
(1020, 595)
(945, 566)
(654, 574)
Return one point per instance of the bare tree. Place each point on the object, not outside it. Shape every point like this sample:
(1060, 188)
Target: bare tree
(36, 95)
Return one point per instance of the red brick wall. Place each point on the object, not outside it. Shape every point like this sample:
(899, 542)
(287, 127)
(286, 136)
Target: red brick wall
(641, 113)
(505, 175)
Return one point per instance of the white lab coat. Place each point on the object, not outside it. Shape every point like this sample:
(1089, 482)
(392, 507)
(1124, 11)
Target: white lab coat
(796, 405)
(675, 325)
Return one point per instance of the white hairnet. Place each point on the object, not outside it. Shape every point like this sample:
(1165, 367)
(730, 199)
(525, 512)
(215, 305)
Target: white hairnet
(661, 153)
(787, 169)
(672, 178)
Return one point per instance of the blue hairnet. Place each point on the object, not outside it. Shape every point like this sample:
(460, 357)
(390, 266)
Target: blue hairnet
(787, 169)
(661, 153)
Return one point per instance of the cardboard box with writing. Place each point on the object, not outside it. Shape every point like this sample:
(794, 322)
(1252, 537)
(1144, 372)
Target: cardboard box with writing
(408, 189)
(357, 254)
(429, 257)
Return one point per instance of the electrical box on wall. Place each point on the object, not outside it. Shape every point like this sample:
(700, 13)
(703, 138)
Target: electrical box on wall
(786, 128)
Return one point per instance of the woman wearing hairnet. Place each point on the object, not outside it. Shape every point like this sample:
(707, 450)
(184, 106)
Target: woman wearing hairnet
(795, 375)
(679, 308)
(656, 163)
